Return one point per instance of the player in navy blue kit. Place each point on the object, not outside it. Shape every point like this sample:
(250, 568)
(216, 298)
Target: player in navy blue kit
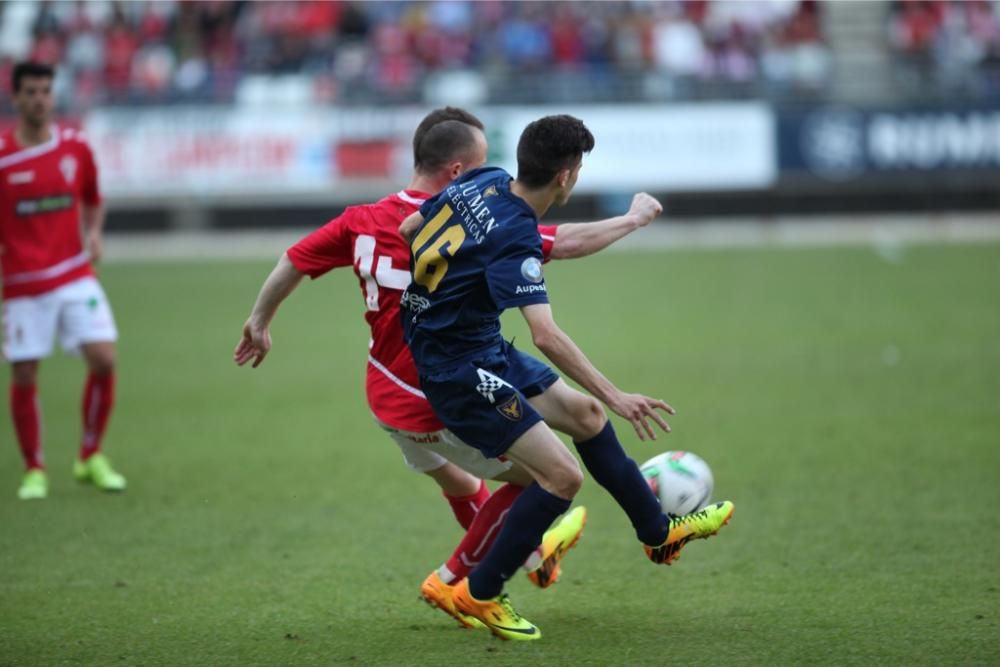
(475, 252)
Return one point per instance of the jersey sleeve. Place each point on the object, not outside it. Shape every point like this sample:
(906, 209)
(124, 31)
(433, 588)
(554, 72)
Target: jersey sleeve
(548, 234)
(515, 275)
(90, 192)
(326, 248)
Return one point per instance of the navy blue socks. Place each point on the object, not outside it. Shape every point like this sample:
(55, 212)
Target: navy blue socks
(608, 464)
(529, 517)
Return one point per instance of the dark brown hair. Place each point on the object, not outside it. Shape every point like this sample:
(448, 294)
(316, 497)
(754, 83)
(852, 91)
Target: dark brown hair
(549, 145)
(29, 69)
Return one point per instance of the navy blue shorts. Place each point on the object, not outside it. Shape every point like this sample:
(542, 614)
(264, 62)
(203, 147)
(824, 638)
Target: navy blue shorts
(484, 402)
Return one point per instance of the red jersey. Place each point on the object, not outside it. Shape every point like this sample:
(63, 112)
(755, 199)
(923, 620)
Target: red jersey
(41, 189)
(367, 238)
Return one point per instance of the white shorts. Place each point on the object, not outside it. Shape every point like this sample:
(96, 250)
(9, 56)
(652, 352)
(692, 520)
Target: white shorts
(78, 312)
(424, 452)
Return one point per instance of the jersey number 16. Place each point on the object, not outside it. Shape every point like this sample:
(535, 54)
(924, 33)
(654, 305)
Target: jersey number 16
(430, 264)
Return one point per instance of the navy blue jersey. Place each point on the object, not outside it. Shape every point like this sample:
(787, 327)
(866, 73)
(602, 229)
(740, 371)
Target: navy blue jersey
(477, 253)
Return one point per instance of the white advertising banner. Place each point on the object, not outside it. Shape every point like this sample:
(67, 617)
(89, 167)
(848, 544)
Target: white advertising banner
(257, 154)
(204, 151)
(668, 147)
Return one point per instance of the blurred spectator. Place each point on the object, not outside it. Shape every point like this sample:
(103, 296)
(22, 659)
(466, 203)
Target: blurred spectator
(364, 52)
(952, 48)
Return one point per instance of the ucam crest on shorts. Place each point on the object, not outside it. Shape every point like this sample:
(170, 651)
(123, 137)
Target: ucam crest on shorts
(41, 189)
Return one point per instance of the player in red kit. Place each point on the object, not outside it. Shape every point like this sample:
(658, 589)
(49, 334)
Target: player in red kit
(48, 193)
(448, 142)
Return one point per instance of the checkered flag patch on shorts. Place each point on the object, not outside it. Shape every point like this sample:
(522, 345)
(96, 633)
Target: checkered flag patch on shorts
(489, 383)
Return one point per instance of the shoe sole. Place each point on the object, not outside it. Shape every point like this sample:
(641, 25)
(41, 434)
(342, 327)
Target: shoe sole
(557, 571)
(512, 637)
(677, 554)
(516, 638)
(90, 480)
(465, 623)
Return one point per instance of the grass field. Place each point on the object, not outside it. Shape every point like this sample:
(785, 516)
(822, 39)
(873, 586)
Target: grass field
(849, 406)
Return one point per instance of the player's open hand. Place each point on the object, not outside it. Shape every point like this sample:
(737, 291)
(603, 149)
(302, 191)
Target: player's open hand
(639, 409)
(255, 344)
(645, 207)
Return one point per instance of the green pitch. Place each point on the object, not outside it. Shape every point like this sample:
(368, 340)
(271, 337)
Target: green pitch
(848, 405)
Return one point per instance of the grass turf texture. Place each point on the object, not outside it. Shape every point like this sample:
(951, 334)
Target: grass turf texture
(849, 406)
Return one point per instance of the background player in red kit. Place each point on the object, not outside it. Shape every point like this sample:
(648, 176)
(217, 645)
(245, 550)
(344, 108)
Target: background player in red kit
(48, 192)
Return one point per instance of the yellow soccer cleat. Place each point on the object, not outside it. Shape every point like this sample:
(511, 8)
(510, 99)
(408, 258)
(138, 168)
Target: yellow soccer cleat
(439, 594)
(34, 486)
(496, 614)
(556, 542)
(693, 526)
(98, 471)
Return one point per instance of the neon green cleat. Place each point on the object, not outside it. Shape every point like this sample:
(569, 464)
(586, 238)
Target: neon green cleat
(556, 542)
(497, 614)
(439, 594)
(693, 526)
(34, 486)
(97, 470)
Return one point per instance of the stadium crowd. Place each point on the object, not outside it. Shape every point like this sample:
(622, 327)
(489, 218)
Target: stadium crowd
(486, 51)
(161, 52)
(950, 47)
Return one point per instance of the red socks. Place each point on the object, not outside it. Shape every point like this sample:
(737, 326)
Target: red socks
(483, 531)
(466, 507)
(27, 423)
(98, 399)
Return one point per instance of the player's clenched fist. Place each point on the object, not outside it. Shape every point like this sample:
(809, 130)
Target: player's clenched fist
(255, 344)
(645, 208)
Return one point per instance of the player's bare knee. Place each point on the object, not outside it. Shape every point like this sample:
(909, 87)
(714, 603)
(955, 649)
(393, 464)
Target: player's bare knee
(454, 481)
(103, 367)
(101, 359)
(589, 417)
(567, 480)
(24, 374)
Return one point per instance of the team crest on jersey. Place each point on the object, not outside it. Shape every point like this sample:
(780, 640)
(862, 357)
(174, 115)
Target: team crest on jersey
(490, 192)
(511, 408)
(67, 166)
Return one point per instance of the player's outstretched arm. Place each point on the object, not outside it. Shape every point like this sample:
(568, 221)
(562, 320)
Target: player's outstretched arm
(255, 342)
(579, 239)
(410, 225)
(568, 358)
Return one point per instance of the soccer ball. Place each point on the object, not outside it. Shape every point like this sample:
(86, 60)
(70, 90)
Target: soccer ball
(681, 480)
